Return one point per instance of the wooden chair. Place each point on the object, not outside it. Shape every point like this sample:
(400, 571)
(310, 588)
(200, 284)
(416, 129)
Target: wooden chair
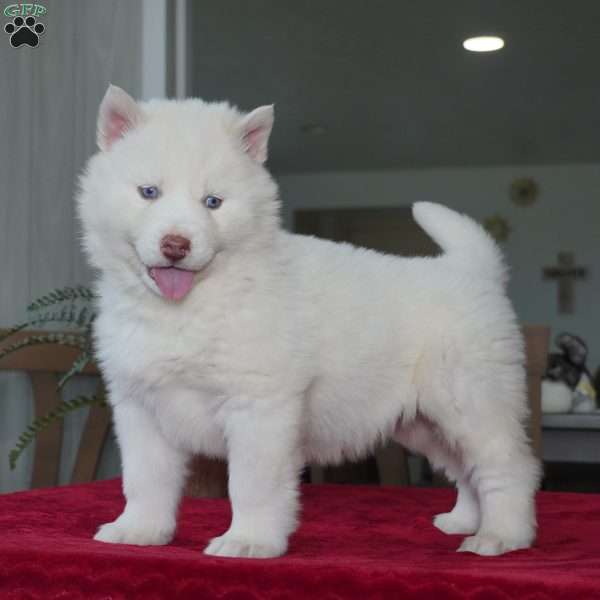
(43, 364)
(537, 346)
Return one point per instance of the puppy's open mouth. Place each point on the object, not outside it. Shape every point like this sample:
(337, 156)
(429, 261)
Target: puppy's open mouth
(172, 282)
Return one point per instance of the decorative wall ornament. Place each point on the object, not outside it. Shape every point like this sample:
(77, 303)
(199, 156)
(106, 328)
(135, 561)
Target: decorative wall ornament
(567, 273)
(497, 226)
(524, 191)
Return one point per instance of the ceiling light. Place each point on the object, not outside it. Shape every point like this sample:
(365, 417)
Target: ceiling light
(483, 43)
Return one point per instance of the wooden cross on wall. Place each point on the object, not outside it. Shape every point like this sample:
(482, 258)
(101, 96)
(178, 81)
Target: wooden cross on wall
(566, 273)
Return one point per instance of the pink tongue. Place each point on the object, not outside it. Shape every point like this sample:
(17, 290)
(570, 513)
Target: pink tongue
(173, 283)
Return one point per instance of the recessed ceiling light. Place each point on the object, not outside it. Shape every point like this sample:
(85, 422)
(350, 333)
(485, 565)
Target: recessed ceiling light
(483, 43)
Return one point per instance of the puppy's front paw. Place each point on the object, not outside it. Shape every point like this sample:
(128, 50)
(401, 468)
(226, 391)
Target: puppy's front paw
(234, 546)
(140, 534)
(490, 544)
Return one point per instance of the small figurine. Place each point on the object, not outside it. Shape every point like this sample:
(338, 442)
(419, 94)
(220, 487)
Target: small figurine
(568, 384)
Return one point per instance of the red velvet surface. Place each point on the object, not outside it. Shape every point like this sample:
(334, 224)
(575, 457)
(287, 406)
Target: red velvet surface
(354, 542)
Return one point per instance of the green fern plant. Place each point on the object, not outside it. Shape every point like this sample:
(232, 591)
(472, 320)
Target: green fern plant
(60, 412)
(71, 308)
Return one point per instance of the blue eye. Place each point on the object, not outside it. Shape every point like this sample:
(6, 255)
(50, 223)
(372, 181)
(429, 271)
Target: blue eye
(149, 192)
(212, 202)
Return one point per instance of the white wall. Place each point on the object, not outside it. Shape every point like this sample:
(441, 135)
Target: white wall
(565, 218)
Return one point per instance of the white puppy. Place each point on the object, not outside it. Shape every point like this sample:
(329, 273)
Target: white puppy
(221, 334)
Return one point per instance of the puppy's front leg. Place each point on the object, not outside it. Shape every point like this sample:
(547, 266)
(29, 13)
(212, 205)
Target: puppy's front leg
(153, 477)
(264, 465)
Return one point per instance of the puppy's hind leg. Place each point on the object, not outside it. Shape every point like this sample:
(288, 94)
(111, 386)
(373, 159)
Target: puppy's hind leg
(503, 469)
(506, 488)
(465, 516)
(424, 438)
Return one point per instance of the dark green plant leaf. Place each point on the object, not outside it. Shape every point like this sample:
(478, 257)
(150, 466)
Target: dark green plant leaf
(62, 339)
(78, 365)
(12, 331)
(62, 295)
(63, 409)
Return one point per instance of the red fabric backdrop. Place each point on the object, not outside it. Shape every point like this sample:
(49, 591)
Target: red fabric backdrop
(354, 542)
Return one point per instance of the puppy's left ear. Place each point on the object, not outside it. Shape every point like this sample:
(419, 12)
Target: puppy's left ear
(256, 128)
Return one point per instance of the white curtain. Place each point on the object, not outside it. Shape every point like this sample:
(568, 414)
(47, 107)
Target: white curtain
(48, 102)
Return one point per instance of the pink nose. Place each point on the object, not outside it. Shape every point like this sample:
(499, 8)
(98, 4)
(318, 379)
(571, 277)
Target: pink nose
(175, 247)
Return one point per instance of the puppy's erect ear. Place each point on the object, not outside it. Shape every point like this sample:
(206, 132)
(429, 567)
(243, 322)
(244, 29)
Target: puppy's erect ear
(118, 114)
(256, 129)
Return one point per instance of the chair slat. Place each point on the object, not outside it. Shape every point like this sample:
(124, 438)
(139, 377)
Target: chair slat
(48, 442)
(537, 343)
(47, 358)
(92, 441)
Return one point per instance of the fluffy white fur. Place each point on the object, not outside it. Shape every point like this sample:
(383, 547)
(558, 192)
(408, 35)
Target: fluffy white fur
(290, 349)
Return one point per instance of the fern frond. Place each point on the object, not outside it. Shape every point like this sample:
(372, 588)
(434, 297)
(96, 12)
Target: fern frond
(63, 409)
(62, 295)
(78, 365)
(82, 319)
(68, 315)
(62, 339)
(12, 331)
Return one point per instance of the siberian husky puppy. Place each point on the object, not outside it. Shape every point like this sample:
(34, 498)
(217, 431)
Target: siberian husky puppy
(221, 334)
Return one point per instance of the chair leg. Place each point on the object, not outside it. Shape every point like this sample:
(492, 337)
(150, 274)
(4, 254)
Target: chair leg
(317, 474)
(92, 442)
(48, 442)
(392, 464)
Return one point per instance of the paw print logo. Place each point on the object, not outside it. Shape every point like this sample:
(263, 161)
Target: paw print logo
(24, 31)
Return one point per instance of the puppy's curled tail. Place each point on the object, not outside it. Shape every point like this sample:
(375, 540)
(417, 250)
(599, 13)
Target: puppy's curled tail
(462, 239)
